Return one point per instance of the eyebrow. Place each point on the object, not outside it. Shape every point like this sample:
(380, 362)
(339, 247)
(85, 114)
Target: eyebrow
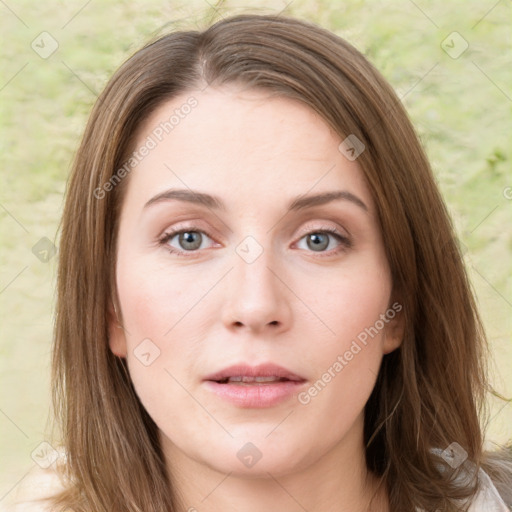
(215, 203)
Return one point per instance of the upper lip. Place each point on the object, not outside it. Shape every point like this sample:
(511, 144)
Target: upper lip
(262, 370)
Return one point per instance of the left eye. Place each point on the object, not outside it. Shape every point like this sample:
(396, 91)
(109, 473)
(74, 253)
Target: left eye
(319, 241)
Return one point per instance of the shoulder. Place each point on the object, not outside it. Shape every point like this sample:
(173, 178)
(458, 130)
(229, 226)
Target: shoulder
(487, 499)
(32, 492)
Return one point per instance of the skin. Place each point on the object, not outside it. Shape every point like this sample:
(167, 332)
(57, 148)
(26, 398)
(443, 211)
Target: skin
(294, 306)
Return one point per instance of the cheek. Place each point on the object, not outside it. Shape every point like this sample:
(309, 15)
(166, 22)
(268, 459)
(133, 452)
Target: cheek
(352, 306)
(347, 359)
(161, 326)
(153, 299)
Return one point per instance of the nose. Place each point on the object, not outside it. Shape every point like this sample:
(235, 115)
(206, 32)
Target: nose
(257, 298)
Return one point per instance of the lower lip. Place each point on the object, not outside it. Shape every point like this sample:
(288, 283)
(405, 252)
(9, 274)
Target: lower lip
(255, 395)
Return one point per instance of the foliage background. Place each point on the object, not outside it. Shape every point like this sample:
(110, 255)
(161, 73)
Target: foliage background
(461, 108)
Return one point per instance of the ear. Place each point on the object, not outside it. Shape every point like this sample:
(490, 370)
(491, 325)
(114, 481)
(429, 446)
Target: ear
(395, 328)
(116, 334)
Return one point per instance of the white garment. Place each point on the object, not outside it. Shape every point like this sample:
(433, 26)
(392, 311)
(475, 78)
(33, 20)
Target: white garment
(488, 499)
(40, 483)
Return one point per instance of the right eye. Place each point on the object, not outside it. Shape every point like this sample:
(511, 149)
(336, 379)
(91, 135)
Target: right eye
(189, 240)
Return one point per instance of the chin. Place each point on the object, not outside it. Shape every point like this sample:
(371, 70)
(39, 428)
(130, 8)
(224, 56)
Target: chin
(257, 455)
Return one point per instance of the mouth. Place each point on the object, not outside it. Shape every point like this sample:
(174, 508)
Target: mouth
(245, 380)
(244, 374)
(254, 387)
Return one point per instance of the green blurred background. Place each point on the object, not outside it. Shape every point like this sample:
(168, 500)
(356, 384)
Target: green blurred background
(458, 97)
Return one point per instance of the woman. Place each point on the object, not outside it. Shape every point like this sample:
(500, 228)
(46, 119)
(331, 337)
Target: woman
(261, 302)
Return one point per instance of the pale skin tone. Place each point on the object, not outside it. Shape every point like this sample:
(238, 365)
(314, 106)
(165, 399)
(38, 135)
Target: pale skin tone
(298, 305)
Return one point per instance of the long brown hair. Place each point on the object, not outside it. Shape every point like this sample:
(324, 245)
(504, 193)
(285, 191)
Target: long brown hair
(430, 392)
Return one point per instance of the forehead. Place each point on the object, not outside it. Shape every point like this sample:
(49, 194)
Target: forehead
(245, 141)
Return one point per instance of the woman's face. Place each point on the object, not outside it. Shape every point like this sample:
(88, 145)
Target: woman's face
(262, 275)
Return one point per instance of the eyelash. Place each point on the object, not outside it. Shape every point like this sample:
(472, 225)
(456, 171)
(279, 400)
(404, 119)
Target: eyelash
(345, 243)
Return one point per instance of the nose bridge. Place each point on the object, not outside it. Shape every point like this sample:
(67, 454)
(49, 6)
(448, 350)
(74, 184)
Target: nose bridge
(253, 261)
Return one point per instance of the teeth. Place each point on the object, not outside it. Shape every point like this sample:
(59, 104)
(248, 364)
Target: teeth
(254, 379)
